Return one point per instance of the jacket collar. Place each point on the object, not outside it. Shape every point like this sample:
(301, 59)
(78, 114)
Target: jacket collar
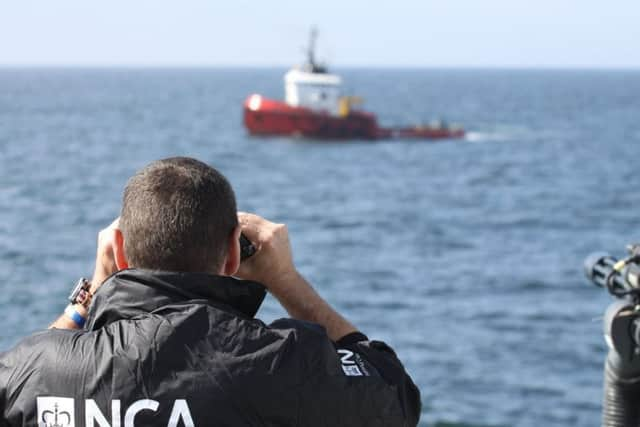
(132, 292)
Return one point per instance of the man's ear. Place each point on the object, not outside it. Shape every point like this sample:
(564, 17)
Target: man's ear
(118, 251)
(232, 260)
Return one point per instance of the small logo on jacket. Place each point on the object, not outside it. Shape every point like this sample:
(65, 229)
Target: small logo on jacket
(55, 412)
(349, 365)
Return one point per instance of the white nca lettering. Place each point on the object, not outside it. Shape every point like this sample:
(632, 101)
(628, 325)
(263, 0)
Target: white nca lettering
(93, 415)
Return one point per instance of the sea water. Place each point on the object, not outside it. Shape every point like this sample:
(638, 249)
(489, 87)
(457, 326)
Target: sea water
(465, 256)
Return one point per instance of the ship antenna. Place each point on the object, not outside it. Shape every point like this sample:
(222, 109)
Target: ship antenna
(311, 57)
(311, 64)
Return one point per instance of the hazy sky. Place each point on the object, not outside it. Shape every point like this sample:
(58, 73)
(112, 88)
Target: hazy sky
(539, 33)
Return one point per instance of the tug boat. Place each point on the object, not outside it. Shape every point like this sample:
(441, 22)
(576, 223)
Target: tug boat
(314, 107)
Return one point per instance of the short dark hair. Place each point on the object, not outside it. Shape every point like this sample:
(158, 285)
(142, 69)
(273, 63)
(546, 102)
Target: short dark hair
(177, 215)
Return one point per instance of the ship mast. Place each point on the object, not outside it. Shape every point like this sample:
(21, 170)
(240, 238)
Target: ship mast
(311, 65)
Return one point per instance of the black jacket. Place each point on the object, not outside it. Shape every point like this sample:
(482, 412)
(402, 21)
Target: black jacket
(174, 349)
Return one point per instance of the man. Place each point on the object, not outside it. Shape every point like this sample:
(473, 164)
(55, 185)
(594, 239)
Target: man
(163, 335)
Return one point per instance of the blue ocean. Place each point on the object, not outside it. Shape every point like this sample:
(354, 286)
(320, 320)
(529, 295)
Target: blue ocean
(465, 256)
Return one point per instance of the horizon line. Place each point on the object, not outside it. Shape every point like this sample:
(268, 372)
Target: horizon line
(515, 67)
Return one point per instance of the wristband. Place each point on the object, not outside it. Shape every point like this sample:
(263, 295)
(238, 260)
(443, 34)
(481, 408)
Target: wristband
(73, 314)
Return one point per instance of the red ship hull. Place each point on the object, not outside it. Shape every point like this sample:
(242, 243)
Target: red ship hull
(267, 117)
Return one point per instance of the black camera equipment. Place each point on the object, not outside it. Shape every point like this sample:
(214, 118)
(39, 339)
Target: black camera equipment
(247, 249)
(621, 404)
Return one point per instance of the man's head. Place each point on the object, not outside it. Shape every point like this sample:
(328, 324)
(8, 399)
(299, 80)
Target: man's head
(179, 214)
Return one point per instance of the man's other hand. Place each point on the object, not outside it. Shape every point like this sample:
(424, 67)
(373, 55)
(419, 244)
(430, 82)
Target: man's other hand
(272, 264)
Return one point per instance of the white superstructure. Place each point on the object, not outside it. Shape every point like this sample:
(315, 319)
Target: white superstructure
(313, 90)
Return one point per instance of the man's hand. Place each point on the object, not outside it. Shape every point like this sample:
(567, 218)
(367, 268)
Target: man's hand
(105, 258)
(272, 264)
(105, 267)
